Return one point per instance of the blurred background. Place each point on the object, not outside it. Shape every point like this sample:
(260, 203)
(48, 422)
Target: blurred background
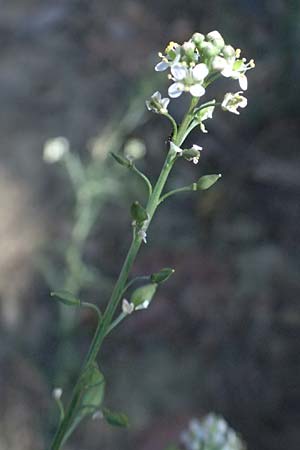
(223, 333)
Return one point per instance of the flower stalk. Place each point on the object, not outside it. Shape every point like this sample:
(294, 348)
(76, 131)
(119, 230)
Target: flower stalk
(193, 66)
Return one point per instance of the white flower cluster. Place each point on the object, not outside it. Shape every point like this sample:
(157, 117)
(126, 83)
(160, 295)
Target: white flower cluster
(211, 433)
(196, 62)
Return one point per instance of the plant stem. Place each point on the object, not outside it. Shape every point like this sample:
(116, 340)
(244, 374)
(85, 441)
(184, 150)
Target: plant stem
(105, 322)
(175, 191)
(144, 178)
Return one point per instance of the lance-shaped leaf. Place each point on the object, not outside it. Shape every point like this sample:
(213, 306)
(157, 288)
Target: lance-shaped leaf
(122, 161)
(143, 295)
(207, 181)
(138, 213)
(162, 275)
(65, 297)
(116, 419)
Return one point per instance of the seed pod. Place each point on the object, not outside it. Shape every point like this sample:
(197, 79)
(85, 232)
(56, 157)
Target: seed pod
(162, 275)
(207, 181)
(138, 213)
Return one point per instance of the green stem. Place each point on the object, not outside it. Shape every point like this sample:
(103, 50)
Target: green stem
(175, 191)
(116, 322)
(174, 124)
(105, 323)
(144, 178)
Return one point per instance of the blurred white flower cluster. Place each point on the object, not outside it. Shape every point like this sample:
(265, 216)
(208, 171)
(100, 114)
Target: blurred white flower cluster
(211, 433)
(200, 60)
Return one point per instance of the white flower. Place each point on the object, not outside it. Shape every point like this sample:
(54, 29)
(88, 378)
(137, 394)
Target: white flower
(232, 102)
(127, 307)
(158, 104)
(188, 80)
(55, 149)
(236, 69)
(57, 393)
(172, 56)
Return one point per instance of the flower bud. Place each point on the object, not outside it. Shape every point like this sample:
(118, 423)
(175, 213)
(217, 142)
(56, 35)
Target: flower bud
(189, 49)
(228, 52)
(198, 38)
(216, 39)
(208, 49)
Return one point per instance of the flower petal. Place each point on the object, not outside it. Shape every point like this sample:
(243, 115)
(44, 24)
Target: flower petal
(165, 102)
(197, 90)
(243, 82)
(179, 72)
(227, 72)
(200, 71)
(161, 66)
(175, 90)
(156, 96)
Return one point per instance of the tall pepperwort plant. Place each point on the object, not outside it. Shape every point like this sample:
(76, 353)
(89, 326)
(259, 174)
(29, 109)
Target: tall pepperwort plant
(192, 67)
